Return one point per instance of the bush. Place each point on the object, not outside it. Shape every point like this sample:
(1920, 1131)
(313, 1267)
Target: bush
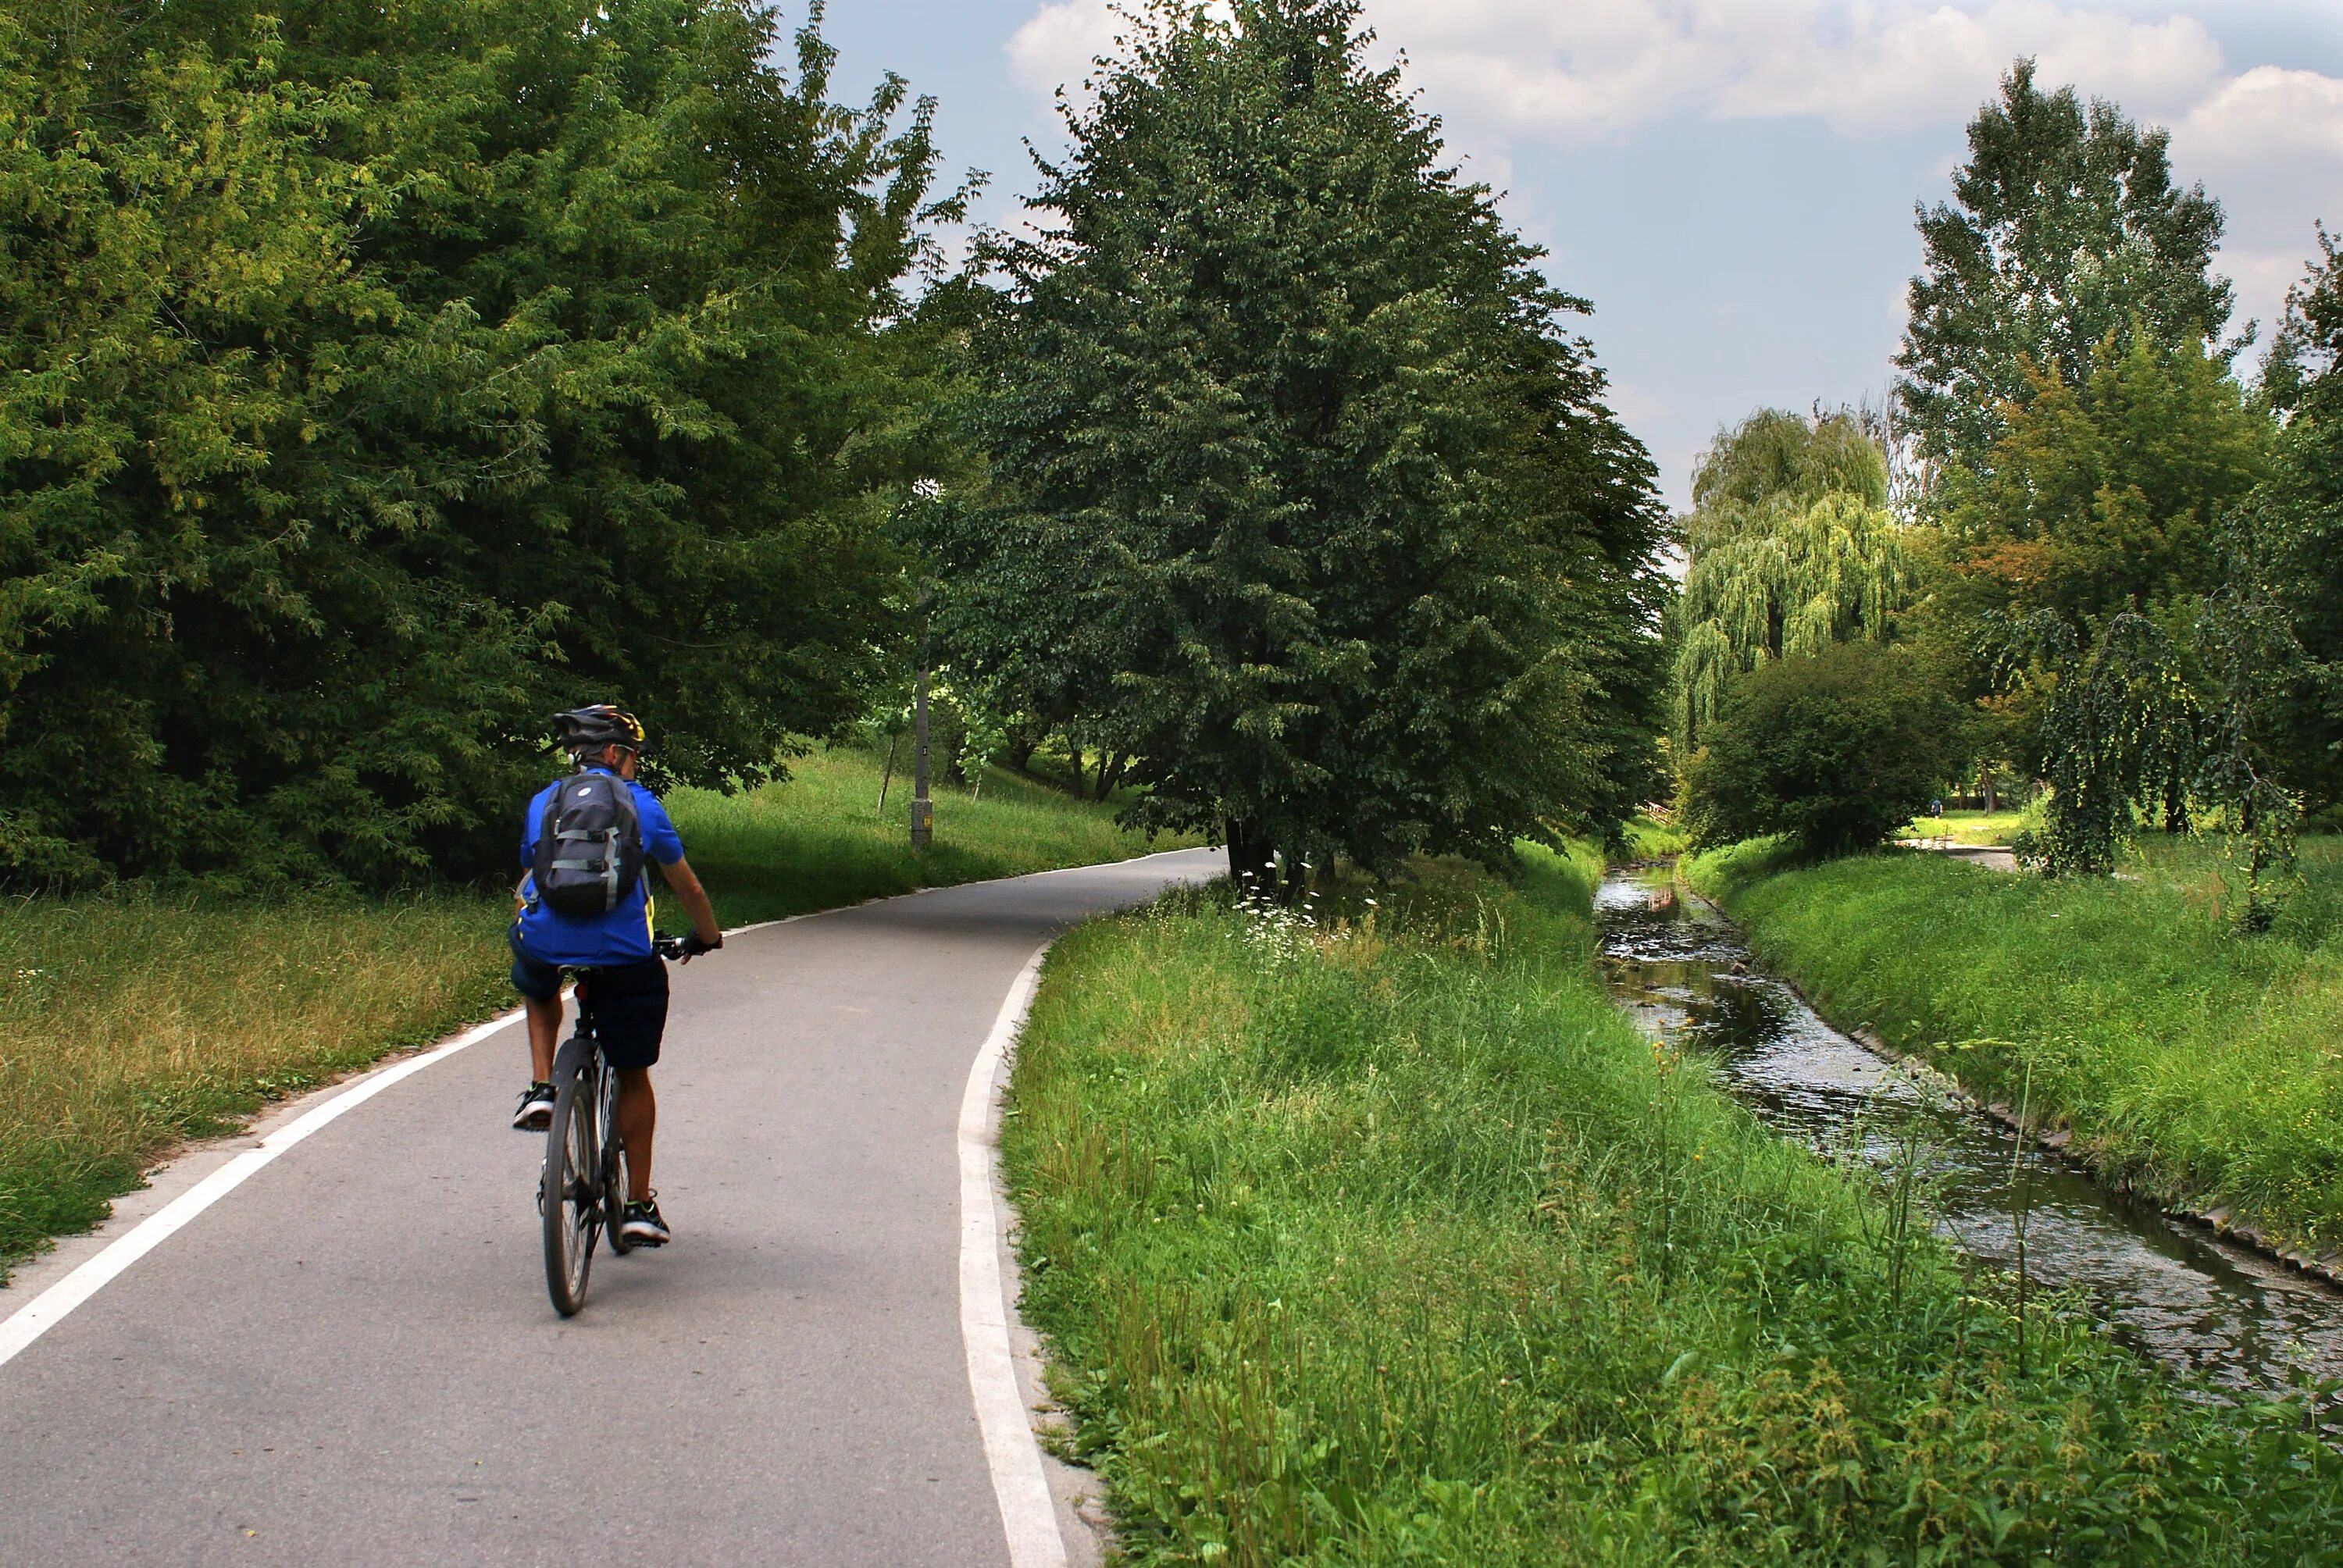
(1833, 750)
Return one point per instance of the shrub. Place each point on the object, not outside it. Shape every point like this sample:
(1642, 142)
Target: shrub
(1833, 750)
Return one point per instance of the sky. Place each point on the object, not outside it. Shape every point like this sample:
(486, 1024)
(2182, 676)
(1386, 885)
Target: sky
(1730, 183)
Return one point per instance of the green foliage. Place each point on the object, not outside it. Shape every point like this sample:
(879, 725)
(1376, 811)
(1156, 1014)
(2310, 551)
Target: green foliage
(377, 380)
(1303, 498)
(2064, 228)
(1836, 749)
(1789, 548)
(2105, 494)
(2119, 734)
(2188, 1062)
(2070, 565)
(2298, 515)
(1393, 1241)
(2255, 656)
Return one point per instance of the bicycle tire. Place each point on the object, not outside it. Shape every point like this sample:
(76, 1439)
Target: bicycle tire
(572, 1199)
(614, 1169)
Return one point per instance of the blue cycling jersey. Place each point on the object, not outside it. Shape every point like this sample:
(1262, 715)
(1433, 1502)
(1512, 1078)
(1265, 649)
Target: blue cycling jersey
(619, 936)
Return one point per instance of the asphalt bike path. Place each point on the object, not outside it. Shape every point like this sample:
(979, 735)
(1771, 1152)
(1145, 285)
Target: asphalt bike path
(349, 1358)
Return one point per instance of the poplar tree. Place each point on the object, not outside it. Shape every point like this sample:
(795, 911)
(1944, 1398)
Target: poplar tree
(2064, 227)
(1297, 477)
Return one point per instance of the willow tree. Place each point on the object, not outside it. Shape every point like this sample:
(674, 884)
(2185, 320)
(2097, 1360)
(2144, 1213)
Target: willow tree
(1790, 549)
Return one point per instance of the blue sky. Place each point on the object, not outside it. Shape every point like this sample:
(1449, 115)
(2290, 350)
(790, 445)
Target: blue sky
(1730, 182)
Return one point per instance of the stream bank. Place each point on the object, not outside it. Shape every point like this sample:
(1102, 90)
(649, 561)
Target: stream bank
(2196, 1301)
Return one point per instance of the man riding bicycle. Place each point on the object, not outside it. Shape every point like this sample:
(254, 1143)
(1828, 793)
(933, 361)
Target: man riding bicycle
(608, 933)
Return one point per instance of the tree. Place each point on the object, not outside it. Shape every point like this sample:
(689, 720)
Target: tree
(2119, 734)
(2254, 658)
(1295, 475)
(381, 379)
(1789, 547)
(2096, 501)
(2297, 514)
(2064, 228)
(2105, 494)
(1835, 749)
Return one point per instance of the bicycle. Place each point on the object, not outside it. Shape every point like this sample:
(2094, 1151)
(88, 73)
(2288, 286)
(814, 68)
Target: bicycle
(582, 1189)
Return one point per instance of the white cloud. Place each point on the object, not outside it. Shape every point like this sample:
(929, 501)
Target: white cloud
(1501, 72)
(1573, 68)
(2267, 114)
(1056, 46)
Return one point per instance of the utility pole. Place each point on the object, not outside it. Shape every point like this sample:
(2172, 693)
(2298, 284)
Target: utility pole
(923, 821)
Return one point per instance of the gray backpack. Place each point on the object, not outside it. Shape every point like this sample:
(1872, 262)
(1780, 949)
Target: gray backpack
(590, 846)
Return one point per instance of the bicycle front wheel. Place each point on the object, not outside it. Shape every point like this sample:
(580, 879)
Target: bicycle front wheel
(572, 1199)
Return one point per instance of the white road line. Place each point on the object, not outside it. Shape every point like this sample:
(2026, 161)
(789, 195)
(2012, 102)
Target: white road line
(1027, 1514)
(44, 1311)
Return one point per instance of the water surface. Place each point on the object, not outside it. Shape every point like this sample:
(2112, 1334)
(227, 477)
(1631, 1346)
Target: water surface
(2167, 1287)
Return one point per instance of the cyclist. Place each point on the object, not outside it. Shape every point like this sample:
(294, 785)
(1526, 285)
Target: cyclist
(627, 986)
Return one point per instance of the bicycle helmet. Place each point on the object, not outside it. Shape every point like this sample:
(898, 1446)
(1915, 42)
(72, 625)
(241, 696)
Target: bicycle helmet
(590, 728)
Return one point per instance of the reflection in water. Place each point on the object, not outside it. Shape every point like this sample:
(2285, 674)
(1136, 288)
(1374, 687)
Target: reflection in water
(2174, 1291)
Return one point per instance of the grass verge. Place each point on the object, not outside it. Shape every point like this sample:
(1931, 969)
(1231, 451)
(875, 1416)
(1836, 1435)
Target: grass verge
(1393, 1241)
(2195, 1063)
(132, 1020)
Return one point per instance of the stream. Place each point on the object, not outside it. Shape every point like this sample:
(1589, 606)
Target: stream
(2168, 1288)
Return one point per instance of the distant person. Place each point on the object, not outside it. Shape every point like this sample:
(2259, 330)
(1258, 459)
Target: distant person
(1937, 808)
(593, 869)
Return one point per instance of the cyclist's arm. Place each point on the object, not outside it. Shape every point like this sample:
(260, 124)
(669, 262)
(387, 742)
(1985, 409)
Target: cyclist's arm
(681, 877)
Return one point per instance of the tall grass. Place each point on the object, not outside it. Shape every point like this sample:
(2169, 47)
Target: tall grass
(2196, 1063)
(1393, 1241)
(133, 1019)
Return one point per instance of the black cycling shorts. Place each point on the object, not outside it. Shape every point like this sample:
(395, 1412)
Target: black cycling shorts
(628, 1004)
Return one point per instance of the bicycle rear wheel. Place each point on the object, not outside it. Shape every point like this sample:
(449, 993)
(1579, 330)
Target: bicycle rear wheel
(572, 1200)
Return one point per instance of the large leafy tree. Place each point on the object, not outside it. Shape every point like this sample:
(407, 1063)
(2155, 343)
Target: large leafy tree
(1789, 547)
(2105, 494)
(2099, 504)
(2296, 519)
(2065, 226)
(378, 378)
(1297, 477)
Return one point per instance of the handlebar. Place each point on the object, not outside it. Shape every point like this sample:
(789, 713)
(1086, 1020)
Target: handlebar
(676, 950)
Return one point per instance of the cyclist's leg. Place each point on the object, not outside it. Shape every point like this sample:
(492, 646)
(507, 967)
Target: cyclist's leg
(638, 1122)
(539, 985)
(630, 1021)
(543, 1034)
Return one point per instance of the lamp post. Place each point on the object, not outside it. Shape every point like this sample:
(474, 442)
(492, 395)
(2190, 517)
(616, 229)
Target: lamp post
(923, 821)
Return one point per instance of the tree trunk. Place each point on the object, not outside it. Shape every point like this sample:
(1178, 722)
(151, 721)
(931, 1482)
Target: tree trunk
(886, 777)
(1249, 857)
(1110, 773)
(1984, 789)
(1074, 755)
(1020, 751)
